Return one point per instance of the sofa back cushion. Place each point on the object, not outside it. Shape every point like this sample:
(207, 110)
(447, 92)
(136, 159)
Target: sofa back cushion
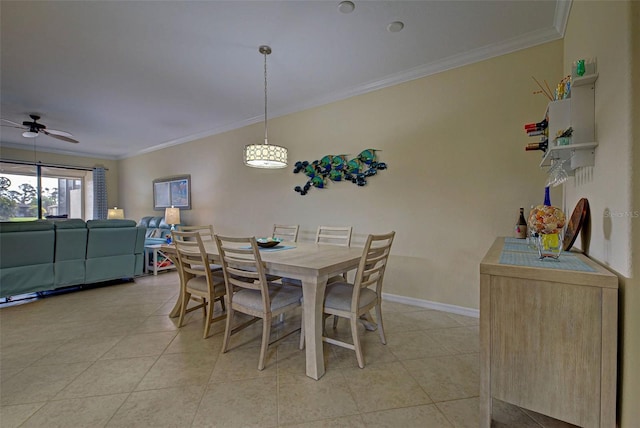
(71, 250)
(26, 243)
(26, 257)
(111, 237)
(71, 239)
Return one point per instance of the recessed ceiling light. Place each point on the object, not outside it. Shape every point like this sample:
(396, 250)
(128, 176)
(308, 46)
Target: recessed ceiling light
(346, 6)
(395, 26)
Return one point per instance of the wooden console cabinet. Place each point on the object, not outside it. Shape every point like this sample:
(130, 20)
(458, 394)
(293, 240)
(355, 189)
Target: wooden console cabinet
(548, 339)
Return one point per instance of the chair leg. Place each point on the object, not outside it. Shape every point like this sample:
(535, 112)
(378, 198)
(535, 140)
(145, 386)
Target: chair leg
(227, 328)
(204, 307)
(208, 318)
(383, 339)
(356, 341)
(183, 307)
(266, 331)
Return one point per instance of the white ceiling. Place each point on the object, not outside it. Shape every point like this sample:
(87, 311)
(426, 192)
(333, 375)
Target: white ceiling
(134, 76)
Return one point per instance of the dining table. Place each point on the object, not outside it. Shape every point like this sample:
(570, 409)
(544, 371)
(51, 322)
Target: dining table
(310, 263)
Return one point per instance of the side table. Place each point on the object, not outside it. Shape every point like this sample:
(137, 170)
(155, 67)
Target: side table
(152, 254)
(548, 335)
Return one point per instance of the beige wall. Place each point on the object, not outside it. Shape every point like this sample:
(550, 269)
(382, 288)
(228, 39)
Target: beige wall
(86, 162)
(630, 354)
(458, 172)
(609, 30)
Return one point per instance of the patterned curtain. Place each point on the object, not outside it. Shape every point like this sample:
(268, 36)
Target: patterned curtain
(99, 194)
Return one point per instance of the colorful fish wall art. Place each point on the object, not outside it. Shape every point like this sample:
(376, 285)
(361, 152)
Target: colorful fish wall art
(338, 168)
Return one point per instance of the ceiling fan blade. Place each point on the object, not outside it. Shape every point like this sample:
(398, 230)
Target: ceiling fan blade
(60, 135)
(12, 122)
(13, 126)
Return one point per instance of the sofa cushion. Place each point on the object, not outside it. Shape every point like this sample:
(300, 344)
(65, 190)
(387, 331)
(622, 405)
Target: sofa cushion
(26, 257)
(155, 222)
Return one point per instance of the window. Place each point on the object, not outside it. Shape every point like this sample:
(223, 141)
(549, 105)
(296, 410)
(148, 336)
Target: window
(29, 192)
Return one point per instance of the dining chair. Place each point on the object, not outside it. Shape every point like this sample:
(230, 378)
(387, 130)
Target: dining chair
(354, 300)
(206, 233)
(249, 292)
(329, 235)
(333, 235)
(286, 232)
(196, 283)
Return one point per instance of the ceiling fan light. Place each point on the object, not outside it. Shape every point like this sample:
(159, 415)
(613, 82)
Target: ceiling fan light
(29, 134)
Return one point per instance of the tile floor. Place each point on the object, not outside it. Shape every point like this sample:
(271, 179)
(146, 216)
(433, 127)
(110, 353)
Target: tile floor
(111, 357)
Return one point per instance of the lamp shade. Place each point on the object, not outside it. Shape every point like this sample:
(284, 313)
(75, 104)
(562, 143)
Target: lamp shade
(265, 156)
(172, 216)
(114, 213)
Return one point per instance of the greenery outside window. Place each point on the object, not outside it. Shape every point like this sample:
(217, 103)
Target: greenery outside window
(29, 192)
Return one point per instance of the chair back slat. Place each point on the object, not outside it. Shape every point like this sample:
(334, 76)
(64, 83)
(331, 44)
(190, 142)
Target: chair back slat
(205, 231)
(191, 255)
(287, 233)
(373, 264)
(242, 265)
(332, 235)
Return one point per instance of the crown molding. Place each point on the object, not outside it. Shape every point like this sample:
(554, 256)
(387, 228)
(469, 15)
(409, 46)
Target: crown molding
(44, 149)
(486, 52)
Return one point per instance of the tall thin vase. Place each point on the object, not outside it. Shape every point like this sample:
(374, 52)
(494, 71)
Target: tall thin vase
(547, 198)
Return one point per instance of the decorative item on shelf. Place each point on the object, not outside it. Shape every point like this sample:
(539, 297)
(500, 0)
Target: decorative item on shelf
(547, 92)
(563, 89)
(339, 168)
(548, 223)
(115, 213)
(172, 217)
(563, 136)
(265, 155)
(583, 67)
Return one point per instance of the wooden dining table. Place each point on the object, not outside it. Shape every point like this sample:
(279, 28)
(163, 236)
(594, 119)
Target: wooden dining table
(310, 263)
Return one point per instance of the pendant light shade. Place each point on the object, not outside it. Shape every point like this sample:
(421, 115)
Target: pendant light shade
(265, 155)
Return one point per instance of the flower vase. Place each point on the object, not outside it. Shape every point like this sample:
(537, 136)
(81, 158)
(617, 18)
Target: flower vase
(549, 245)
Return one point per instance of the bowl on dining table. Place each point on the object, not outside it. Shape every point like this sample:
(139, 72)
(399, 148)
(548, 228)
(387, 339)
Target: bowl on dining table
(268, 242)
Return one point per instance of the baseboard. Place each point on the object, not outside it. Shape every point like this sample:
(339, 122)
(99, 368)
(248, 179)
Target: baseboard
(460, 310)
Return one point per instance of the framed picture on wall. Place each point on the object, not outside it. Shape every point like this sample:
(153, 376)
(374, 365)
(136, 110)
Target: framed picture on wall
(172, 191)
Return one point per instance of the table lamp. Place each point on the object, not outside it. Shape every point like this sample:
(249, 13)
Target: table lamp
(115, 213)
(172, 216)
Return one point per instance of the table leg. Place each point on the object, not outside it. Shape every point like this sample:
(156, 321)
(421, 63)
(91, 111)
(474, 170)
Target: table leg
(313, 295)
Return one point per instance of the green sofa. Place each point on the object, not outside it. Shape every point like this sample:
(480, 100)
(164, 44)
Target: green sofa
(44, 255)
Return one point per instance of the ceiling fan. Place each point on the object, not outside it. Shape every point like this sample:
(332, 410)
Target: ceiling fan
(32, 129)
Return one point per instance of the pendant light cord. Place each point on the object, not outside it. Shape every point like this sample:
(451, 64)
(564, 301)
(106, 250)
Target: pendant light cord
(265, 99)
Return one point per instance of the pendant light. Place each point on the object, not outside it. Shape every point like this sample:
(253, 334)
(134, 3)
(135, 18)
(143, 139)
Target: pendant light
(265, 155)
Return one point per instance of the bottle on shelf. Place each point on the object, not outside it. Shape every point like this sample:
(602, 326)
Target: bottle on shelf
(542, 145)
(533, 133)
(520, 230)
(536, 126)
